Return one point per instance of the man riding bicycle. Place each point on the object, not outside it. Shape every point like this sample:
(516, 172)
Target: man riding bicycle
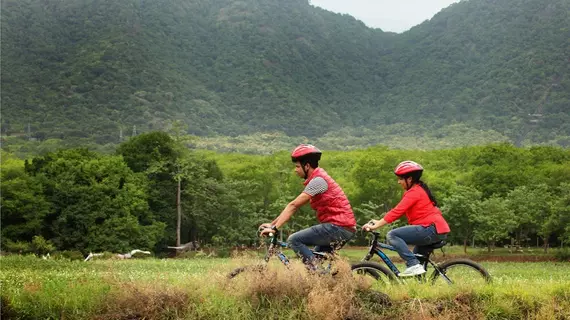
(337, 222)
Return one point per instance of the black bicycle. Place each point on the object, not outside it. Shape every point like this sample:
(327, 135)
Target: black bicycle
(454, 271)
(324, 260)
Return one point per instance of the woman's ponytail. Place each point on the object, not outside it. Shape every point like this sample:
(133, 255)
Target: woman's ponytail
(428, 191)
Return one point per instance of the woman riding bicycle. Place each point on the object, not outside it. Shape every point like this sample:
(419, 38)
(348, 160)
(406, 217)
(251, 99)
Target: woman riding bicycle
(337, 222)
(427, 223)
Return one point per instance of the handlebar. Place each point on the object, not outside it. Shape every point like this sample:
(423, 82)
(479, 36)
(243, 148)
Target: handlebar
(271, 234)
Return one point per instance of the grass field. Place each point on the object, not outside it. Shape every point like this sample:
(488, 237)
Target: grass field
(33, 288)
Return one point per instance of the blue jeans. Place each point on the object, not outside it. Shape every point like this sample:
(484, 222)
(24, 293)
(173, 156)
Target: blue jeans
(321, 236)
(399, 238)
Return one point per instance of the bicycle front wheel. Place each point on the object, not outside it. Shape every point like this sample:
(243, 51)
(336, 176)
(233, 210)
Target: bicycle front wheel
(372, 273)
(461, 272)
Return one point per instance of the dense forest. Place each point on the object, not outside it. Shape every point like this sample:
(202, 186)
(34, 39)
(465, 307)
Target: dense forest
(81, 200)
(236, 72)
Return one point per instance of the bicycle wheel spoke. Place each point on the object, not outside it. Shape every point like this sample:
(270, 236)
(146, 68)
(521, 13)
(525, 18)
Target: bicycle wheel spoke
(368, 275)
(461, 272)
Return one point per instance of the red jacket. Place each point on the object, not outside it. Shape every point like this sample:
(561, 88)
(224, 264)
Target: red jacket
(332, 206)
(419, 210)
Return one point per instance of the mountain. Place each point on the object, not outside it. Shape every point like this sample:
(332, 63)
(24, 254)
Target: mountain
(89, 68)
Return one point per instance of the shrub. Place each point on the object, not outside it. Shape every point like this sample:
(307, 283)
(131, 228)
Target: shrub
(41, 246)
(562, 254)
(18, 246)
(68, 254)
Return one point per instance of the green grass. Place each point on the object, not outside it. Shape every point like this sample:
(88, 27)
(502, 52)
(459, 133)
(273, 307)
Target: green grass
(33, 288)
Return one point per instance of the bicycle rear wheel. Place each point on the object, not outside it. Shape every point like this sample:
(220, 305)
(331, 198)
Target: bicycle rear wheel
(461, 272)
(372, 273)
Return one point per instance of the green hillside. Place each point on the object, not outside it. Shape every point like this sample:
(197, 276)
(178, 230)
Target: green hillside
(87, 69)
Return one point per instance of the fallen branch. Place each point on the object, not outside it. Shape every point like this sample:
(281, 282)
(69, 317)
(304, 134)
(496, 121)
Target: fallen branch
(118, 255)
(130, 254)
(91, 255)
(192, 245)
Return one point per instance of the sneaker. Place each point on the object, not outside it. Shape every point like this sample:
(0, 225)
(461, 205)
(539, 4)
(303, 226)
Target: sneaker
(318, 269)
(414, 270)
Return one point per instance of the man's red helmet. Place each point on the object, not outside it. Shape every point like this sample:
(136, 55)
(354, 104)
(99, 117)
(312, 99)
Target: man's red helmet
(305, 151)
(406, 167)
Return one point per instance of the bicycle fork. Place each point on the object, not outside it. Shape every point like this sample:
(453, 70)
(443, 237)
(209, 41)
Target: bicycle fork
(425, 261)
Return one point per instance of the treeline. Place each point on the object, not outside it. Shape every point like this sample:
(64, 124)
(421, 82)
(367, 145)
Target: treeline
(76, 199)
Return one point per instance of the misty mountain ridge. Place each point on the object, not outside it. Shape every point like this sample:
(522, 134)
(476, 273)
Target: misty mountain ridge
(88, 69)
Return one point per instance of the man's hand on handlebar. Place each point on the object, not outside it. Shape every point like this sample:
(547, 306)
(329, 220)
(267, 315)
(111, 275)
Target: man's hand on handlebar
(266, 229)
(263, 232)
(264, 225)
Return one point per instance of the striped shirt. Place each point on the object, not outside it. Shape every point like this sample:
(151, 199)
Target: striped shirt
(316, 186)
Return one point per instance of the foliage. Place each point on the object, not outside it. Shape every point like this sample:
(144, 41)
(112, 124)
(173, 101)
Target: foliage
(462, 209)
(87, 201)
(100, 71)
(91, 198)
(68, 254)
(532, 207)
(495, 220)
(41, 246)
(17, 246)
(563, 255)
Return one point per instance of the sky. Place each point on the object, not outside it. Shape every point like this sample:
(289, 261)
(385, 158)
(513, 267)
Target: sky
(388, 15)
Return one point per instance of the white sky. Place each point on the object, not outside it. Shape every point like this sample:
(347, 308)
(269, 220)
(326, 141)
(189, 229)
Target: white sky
(388, 15)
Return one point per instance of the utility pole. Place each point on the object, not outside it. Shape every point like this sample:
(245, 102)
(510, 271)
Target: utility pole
(121, 135)
(134, 130)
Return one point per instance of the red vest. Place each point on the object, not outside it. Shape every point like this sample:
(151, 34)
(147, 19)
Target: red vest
(332, 206)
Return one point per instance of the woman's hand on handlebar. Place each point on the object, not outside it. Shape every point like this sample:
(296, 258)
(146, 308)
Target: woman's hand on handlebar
(371, 225)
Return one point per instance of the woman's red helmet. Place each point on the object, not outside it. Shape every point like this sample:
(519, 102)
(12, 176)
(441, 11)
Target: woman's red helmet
(406, 167)
(304, 151)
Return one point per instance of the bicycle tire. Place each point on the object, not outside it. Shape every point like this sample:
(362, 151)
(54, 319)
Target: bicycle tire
(468, 271)
(241, 270)
(375, 270)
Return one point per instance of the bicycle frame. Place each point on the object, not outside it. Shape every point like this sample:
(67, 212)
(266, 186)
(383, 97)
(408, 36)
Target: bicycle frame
(376, 249)
(275, 247)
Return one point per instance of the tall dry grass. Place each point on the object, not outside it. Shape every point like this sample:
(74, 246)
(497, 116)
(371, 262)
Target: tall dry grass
(200, 289)
(314, 295)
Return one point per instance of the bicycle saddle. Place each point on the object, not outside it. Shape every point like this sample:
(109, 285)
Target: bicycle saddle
(436, 245)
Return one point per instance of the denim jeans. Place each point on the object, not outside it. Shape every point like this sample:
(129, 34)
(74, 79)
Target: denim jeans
(399, 238)
(321, 236)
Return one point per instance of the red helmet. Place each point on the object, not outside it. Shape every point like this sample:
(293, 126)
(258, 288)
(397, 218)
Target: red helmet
(305, 150)
(406, 167)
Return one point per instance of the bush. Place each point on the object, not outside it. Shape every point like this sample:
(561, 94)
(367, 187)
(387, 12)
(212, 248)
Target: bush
(200, 254)
(68, 254)
(18, 246)
(562, 254)
(41, 246)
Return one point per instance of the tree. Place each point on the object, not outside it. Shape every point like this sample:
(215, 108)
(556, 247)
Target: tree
(559, 219)
(179, 181)
(24, 206)
(461, 210)
(531, 205)
(91, 197)
(494, 221)
(154, 155)
(375, 181)
(494, 172)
